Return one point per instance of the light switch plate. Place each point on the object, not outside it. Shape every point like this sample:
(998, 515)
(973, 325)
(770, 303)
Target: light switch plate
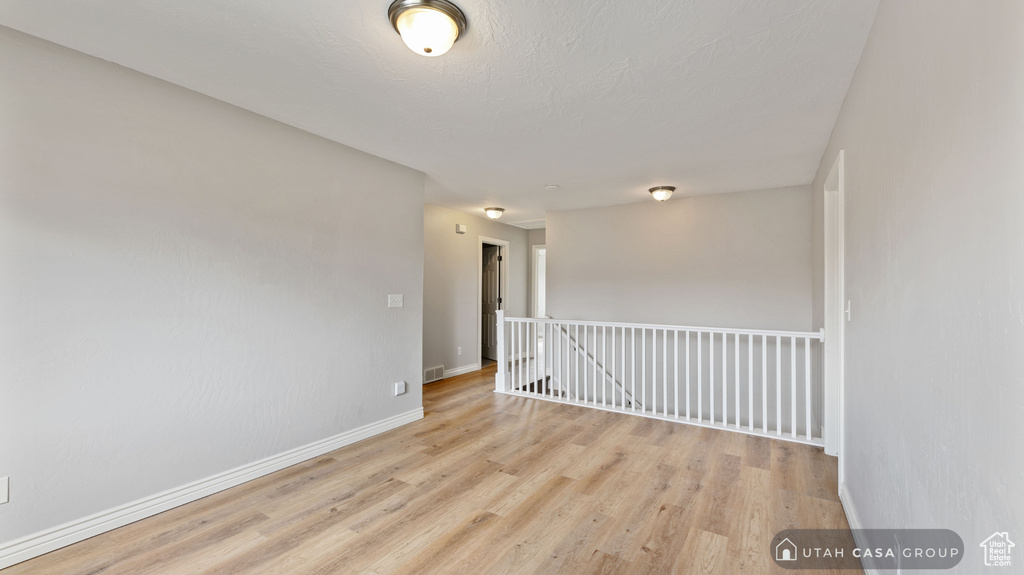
(5, 484)
(395, 300)
(399, 387)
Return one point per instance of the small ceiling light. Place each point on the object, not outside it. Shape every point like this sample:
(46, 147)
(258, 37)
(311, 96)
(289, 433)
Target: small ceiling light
(428, 27)
(662, 193)
(494, 213)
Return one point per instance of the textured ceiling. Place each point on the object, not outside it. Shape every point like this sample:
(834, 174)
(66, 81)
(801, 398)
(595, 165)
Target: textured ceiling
(604, 99)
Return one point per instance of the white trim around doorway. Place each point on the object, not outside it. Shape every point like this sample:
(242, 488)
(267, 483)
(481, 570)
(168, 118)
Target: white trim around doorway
(505, 257)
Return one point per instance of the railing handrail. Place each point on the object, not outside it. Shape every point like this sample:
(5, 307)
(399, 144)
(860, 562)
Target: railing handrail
(818, 335)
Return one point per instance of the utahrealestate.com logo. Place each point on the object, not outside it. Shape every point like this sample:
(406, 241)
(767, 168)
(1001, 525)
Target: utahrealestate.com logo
(870, 549)
(997, 549)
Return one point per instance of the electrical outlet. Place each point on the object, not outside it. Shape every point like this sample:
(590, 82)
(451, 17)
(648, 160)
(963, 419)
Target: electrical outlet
(395, 300)
(5, 486)
(399, 388)
(460, 350)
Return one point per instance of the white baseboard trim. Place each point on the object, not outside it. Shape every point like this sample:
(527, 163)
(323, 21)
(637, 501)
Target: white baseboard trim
(80, 529)
(461, 370)
(853, 519)
(851, 511)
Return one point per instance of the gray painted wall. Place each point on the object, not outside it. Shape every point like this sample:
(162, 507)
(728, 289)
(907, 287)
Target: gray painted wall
(933, 128)
(185, 287)
(536, 237)
(735, 260)
(451, 283)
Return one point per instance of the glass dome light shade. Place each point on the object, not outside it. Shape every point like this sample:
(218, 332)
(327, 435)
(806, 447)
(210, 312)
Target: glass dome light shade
(427, 31)
(662, 193)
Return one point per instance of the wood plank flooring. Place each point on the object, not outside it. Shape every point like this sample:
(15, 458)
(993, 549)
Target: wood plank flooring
(492, 484)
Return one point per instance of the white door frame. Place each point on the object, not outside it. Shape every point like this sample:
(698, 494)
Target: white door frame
(836, 313)
(502, 288)
(533, 278)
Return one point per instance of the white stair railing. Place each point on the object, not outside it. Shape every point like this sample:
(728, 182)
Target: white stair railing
(762, 382)
(577, 347)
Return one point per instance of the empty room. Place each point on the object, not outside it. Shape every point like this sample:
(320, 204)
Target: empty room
(485, 286)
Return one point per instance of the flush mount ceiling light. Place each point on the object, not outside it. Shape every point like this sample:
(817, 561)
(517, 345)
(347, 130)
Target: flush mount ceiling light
(662, 193)
(428, 27)
(494, 213)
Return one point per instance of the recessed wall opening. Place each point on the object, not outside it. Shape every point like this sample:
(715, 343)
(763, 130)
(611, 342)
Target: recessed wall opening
(493, 259)
(539, 275)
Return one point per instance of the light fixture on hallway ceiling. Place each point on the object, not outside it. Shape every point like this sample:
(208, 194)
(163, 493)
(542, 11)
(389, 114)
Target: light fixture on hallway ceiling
(662, 193)
(428, 27)
(494, 213)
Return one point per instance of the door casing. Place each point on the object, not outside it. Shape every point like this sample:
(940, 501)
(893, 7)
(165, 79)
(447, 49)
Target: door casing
(835, 312)
(503, 288)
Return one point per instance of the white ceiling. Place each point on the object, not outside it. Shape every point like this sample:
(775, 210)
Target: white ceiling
(604, 99)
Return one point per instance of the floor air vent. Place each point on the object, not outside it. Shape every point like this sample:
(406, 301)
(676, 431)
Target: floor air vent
(433, 374)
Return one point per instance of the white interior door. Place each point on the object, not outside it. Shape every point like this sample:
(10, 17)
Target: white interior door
(490, 301)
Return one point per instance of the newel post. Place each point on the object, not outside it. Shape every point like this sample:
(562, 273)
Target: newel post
(500, 376)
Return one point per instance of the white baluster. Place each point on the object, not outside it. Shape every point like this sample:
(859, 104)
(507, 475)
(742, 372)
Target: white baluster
(577, 362)
(736, 358)
(563, 377)
(643, 370)
(654, 371)
(807, 383)
(632, 370)
(604, 363)
(545, 343)
(725, 379)
(700, 378)
(764, 383)
(750, 381)
(622, 344)
(675, 366)
(792, 385)
(664, 369)
(522, 379)
(711, 375)
(687, 375)
(593, 354)
(778, 385)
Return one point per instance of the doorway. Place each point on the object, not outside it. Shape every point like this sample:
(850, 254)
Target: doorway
(539, 275)
(493, 259)
(837, 312)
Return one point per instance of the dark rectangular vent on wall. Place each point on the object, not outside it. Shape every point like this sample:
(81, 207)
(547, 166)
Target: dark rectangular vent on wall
(433, 374)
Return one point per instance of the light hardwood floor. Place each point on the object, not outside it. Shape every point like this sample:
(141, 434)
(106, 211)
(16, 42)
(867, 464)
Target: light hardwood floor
(488, 483)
